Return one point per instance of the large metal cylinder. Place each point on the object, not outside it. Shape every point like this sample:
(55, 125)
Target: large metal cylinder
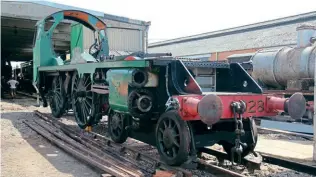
(275, 67)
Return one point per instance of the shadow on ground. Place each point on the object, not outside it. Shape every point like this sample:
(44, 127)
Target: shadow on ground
(14, 131)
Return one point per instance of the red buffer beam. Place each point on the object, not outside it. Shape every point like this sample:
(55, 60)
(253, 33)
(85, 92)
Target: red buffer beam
(213, 107)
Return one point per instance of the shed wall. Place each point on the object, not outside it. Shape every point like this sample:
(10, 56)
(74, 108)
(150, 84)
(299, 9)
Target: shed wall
(229, 43)
(125, 35)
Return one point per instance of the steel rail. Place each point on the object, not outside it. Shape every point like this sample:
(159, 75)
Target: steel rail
(101, 149)
(74, 151)
(106, 142)
(202, 165)
(249, 163)
(216, 170)
(100, 156)
(290, 164)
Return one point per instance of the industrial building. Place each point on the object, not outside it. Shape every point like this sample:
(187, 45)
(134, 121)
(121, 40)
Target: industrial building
(18, 20)
(218, 45)
(18, 34)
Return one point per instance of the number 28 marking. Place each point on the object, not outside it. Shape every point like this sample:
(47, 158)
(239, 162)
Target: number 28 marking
(255, 105)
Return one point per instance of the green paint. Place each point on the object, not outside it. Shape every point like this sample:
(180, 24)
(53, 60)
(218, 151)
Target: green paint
(76, 37)
(91, 67)
(45, 58)
(119, 80)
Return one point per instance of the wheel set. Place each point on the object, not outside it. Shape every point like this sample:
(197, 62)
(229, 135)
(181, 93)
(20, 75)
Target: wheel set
(173, 138)
(85, 104)
(172, 134)
(57, 97)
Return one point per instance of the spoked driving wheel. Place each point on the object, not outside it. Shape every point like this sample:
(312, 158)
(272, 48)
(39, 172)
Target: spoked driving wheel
(117, 129)
(58, 98)
(85, 104)
(173, 138)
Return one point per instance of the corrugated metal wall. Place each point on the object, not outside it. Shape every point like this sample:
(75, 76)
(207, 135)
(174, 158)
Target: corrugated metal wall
(129, 40)
(124, 39)
(88, 38)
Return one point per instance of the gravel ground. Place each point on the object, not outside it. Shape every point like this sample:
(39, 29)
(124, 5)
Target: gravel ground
(24, 153)
(275, 136)
(265, 169)
(44, 159)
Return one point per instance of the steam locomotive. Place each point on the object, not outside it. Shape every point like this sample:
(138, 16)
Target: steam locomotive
(154, 97)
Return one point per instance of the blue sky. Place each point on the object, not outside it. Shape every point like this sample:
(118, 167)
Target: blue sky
(177, 18)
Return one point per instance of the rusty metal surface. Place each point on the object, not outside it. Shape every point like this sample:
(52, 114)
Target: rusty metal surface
(218, 170)
(210, 109)
(107, 145)
(87, 157)
(302, 84)
(296, 106)
(99, 141)
(253, 163)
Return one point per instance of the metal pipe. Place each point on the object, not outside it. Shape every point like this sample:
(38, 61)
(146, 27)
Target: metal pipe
(37, 93)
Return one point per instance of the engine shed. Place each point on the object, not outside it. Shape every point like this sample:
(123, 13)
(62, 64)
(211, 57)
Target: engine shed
(18, 28)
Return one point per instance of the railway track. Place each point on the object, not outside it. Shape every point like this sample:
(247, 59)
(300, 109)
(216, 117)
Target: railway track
(140, 164)
(100, 152)
(290, 164)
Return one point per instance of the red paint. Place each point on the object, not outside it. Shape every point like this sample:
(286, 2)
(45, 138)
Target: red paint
(190, 106)
(221, 56)
(310, 105)
(275, 103)
(192, 86)
(84, 17)
(130, 58)
(257, 105)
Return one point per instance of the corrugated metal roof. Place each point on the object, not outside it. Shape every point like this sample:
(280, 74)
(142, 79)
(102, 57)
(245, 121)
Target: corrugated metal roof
(260, 35)
(256, 26)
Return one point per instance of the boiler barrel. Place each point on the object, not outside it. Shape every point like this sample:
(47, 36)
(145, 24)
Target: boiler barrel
(275, 67)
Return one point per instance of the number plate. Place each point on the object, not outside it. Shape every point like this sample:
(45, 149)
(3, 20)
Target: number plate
(254, 106)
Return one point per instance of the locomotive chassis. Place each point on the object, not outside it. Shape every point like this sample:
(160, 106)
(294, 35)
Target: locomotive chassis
(154, 97)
